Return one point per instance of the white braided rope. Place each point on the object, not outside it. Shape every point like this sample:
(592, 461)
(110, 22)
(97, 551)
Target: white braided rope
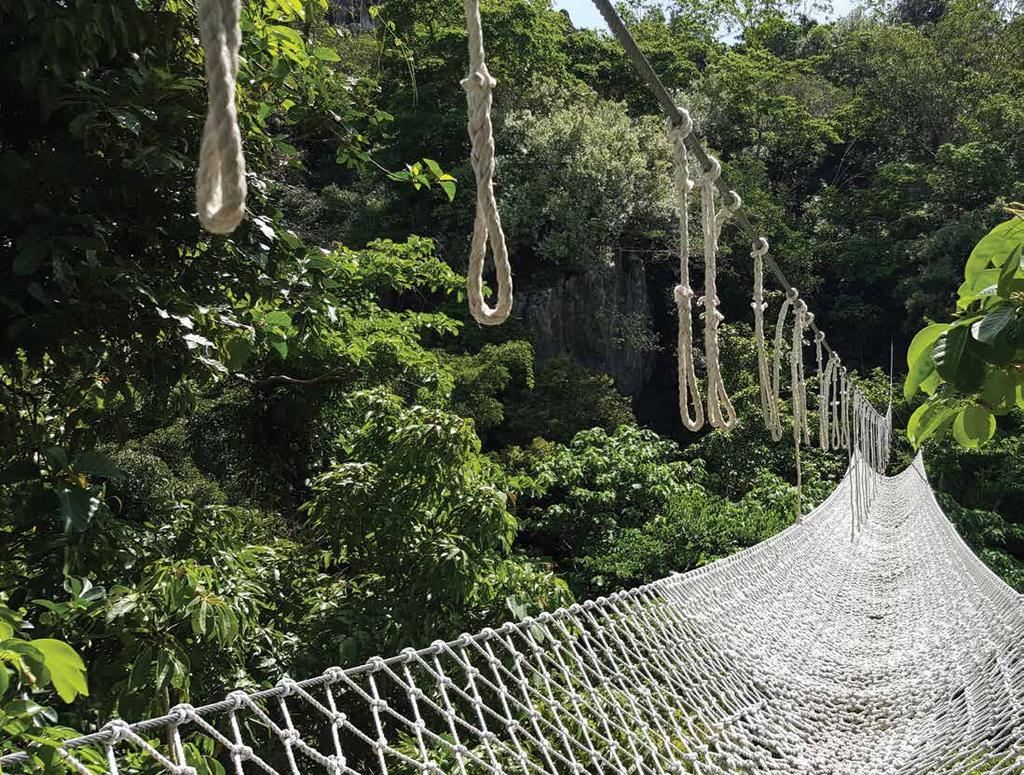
(775, 420)
(479, 86)
(720, 411)
(691, 408)
(807, 319)
(826, 422)
(837, 420)
(823, 386)
(758, 251)
(896, 653)
(220, 181)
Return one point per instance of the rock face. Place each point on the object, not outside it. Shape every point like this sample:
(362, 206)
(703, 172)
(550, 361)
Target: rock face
(354, 14)
(601, 318)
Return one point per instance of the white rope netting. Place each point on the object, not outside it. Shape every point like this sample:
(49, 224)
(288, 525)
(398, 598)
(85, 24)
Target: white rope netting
(889, 650)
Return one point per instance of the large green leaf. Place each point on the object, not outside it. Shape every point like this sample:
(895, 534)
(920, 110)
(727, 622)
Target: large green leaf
(995, 247)
(994, 323)
(78, 506)
(919, 358)
(67, 671)
(999, 390)
(928, 419)
(974, 425)
(955, 362)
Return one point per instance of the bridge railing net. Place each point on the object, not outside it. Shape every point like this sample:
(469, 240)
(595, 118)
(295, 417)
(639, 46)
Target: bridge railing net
(893, 649)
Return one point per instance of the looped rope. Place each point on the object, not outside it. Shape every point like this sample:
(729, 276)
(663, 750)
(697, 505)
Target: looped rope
(720, 411)
(691, 408)
(220, 181)
(487, 222)
(759, 248)
(835, 421)
(801, 321)
(775, 421)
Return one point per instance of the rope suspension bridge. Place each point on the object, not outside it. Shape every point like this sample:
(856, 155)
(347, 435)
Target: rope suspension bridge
(866, 638)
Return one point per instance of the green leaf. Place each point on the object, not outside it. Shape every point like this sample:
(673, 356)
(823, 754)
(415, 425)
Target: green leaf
(434, 167)
(97, 463)
(239, 349)
(67, 671)
(142, 668)
(449, 189)
(278, 319)
(919, 358)
(325, 54)
(974, 425)
(928, 420)
(995, 247)
(78, 507)
(991, 326)
(999, 390)
(955, 363)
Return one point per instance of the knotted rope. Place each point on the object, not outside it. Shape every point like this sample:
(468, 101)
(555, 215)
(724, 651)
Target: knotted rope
(844, 407)
(720, 410)
(824, 380)
(836, 437)
(691, 409)
(760, 248)
(220, 181)
(808, 320)
(796, 372)
(775, 421)
(487, 223)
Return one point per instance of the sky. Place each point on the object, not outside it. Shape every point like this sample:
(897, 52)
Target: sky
(584, 14)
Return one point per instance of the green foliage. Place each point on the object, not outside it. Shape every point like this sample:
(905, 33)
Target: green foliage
(970, 369)
(620, 509)
(227, 459)
(413, 512)
(588, 178)
(32, 671)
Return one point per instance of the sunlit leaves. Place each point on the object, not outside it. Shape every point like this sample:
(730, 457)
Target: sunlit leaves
(967, 366)
(974, 425)
(66, 669)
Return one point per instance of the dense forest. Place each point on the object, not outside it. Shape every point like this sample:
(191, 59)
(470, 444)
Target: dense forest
(226, 459)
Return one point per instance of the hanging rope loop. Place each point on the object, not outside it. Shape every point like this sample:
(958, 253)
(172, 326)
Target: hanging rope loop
(691, 408)
(720, 411)
(220, 180)
(759, 249)
(479, 86)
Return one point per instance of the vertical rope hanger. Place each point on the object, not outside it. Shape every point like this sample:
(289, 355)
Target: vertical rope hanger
(691, 407)
(721, 413)
(796, 360)
(775, 389)
(836, 437)
(757, 253)
(479, 86)
(220, 180)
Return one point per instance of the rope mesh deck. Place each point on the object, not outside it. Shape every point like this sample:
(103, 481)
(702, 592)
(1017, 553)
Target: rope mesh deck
(890, 649)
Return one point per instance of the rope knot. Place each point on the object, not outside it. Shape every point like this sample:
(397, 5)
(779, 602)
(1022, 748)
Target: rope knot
(182, 712)
(712, 173)
(479, 80)
(759, 247)
(679, 130)
(682, 294)
(117, 729)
